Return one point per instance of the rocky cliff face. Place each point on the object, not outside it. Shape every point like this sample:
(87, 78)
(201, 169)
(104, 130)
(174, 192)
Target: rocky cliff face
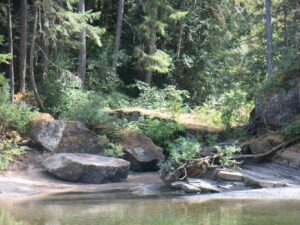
(274, 109)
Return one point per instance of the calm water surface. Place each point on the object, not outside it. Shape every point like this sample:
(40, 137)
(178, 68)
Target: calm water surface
(123, 209)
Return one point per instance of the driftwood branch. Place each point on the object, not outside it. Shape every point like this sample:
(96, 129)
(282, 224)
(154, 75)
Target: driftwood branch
(269, 153)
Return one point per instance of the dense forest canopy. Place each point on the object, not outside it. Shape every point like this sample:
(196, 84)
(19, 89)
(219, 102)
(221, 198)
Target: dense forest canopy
(202, 51)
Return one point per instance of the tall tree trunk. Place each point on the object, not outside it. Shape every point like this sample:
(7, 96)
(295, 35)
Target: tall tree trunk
(11, 51)
(179, 44)
(118, 35)
(44, 27)
(82, 52)
(285, 26)
(269, 38)
(152, 48)
(23, 46)
(181, 28)
(31, 60)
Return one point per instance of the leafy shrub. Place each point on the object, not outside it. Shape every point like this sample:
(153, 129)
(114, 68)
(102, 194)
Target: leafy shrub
(228, 110)
(211, 139)
(8, 151)
(226, 154)
(4, 89)
(292, 130)
(159, 131)
(15, 116)
(114, 151)
(166, 99)
(183, 149)
(70, 103)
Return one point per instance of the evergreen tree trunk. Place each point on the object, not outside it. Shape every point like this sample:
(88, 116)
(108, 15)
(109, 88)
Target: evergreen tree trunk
(11, 51)
(285, 26)
(23, 46)
(82, 52)
(118, 35)
(181, 28)
(44, 28)
(152, 48)
(269, 38)
(31, 60)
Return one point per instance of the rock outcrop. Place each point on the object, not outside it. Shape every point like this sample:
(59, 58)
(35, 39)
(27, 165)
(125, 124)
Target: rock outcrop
(289, 157)
(87, 168)
(64, 136)
(274, 109)
(263, 144)
(140, 151)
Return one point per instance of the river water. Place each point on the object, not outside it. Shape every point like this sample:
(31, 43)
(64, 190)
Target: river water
(119, 208)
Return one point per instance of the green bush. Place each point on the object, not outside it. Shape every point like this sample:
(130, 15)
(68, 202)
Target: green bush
(4, 90)
(228, 110)
(292, 130)
(226, 154)
(114, 151)
(8, 151)
(14, 116)
(166, 99)
(183, 149)
(70, 103)
(159, 131)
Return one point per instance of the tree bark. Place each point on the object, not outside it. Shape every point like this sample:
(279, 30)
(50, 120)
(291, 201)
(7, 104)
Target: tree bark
(118, 35)
(23, 47)
(181, 28)
(285, 26)
(152, 44)
(269, 38)
(11, 52)
(82, 52)
(44, 27)
(31, 60)
(179, 44)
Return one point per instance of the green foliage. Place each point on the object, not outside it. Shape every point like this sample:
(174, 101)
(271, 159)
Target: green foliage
(158, 62)
(166, 99)
(235, 109)
(114, 151)
(228, 110)
(68, 102)
(4, 90)
(4, 58)
(226, 154)
(159, 131)
(292, 131)
(211, 139)
(14, 116)
(183, 149)
(8, 151)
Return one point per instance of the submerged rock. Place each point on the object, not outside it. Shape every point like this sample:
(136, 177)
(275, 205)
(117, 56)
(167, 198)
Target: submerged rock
(141, 152)
(87, 168)
(65, 136)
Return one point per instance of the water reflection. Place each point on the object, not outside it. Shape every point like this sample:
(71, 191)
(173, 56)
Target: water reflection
(93, 210)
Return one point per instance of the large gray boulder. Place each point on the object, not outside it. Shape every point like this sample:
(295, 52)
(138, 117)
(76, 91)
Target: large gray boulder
(87, 168)
(274, 109)
(140, 151)
(65, 136)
